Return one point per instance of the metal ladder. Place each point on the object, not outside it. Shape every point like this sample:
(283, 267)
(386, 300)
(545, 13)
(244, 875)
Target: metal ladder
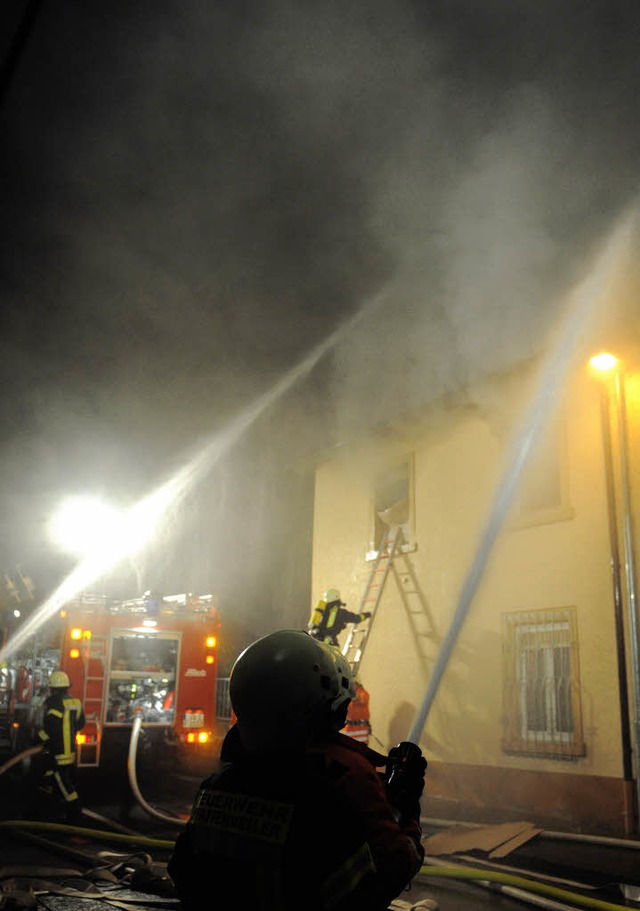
(93, 695)
(419, 617)
(358, 634)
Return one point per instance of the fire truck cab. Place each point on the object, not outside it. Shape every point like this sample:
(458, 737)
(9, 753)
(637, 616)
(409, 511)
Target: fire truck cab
(152, 657)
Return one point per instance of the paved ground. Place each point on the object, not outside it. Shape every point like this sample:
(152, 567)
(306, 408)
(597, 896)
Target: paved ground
(134, 866)
(132, 860)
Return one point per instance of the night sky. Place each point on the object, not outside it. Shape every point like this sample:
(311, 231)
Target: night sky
(196, 194)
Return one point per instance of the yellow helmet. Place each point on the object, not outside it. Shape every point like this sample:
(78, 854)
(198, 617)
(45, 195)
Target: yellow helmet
(331, 594)
(59, 679)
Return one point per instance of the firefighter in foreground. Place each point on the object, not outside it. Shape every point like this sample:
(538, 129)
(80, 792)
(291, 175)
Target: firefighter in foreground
(330, 617)
(63, 718)
(298, 815)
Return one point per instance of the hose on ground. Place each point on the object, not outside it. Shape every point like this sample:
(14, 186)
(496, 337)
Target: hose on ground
(519, 882)
(116, 826)
(97, 834)
(463, 861)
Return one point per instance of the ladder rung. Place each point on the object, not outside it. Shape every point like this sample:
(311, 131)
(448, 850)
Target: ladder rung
(357, 637)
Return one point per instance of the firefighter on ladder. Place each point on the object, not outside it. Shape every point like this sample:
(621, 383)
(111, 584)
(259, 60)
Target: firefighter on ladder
(63, 718)
(329, 618)
(358, 723)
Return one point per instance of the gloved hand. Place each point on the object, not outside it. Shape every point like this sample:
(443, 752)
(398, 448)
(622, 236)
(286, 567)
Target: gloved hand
(406, 770)
(366, 615)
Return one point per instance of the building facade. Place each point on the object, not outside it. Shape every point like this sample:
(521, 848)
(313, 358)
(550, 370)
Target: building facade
(533, 717)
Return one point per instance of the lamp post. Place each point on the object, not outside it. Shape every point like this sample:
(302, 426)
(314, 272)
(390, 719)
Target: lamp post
(614, 392)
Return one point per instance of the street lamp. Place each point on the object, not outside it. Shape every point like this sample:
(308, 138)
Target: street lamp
(614, 391)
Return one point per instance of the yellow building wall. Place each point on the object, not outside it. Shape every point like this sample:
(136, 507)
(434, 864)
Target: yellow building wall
(457, 462)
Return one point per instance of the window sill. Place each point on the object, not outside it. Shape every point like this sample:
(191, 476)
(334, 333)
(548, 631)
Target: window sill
(550, 750)
(542, 517)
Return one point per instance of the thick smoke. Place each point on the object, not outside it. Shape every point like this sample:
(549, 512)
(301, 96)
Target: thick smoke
(199, 193)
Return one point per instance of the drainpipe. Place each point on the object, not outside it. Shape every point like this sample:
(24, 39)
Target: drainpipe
(630, 815)
(629, 560)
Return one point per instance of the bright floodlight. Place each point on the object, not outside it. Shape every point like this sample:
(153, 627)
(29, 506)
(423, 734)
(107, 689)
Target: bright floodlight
(604, 361)
(84, 525)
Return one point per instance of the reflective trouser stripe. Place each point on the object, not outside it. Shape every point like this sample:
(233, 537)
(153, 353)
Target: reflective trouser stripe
(69, 796)
(346, 879)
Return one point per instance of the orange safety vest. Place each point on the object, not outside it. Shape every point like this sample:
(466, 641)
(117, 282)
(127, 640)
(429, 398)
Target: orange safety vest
(358, 725)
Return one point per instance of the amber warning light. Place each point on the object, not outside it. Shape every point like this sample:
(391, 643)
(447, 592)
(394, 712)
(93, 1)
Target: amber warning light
(200, 737)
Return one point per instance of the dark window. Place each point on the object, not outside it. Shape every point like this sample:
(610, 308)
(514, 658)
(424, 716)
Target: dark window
(392, 504)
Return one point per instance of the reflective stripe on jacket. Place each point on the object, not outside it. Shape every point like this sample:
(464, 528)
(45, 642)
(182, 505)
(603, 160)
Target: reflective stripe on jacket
(63, 718)
(358, 730)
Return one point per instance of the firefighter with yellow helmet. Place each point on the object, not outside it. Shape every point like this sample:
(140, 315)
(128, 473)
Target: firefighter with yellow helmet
(297, 814)
(330, 617)
(63, 718)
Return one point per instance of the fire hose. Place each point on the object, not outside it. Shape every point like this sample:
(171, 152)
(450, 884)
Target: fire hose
(133, 781)
(520, 887)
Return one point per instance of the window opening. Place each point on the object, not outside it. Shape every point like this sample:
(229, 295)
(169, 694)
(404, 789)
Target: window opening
(544, 491)
(392, 505)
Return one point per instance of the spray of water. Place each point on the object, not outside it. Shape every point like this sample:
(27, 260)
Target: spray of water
(144, 518)
(551, 380)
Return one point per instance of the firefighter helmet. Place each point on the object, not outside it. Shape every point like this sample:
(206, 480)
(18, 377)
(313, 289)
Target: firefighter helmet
(331, 594)
(59, 679)
(286, 687)
(344, 676)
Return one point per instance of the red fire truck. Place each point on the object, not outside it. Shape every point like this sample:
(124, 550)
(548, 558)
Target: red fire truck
(153, 657)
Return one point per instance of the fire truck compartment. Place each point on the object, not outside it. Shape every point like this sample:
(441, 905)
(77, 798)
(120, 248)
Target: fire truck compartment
(142, 677)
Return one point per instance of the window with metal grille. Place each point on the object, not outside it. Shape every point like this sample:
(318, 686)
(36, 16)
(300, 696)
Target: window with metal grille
(542, 714)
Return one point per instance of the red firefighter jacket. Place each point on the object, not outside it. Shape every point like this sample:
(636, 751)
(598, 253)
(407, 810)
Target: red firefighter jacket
(312, 829)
